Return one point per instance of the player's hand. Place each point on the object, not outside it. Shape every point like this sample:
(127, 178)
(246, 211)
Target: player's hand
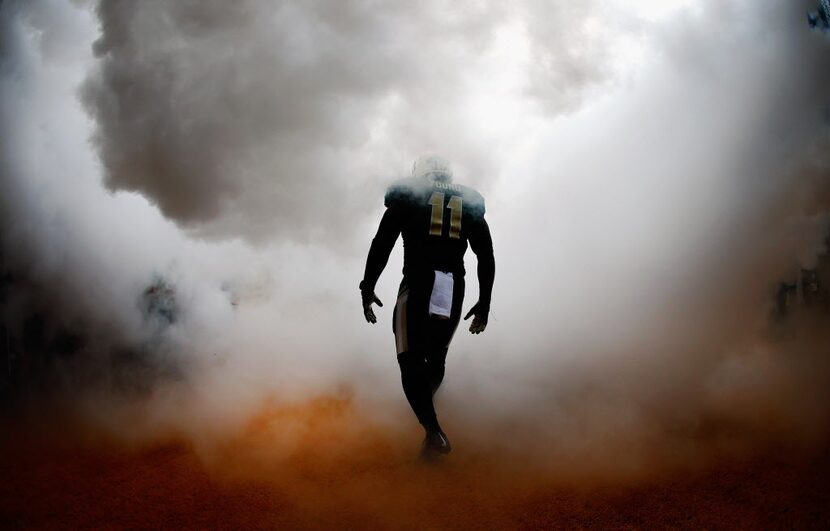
(480, 311)
(369, 298)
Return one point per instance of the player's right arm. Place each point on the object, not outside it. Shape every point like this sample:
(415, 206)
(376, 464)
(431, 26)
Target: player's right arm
(482, 245)
(382, 245)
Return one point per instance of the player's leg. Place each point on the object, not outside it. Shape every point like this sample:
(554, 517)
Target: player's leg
(409, 325)
(435, 363)
(440, 334)
(416, 387)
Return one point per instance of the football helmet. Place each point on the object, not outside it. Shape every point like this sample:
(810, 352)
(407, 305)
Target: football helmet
(432, 166)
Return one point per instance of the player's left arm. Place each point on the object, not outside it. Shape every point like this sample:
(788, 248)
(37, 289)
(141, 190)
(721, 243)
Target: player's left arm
(482, 245)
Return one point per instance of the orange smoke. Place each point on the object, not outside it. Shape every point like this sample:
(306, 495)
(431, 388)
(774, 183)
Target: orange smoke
(321, 465)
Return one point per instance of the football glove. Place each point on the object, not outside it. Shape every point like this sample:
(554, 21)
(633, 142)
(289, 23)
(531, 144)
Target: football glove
(368, 297)
(480, 311)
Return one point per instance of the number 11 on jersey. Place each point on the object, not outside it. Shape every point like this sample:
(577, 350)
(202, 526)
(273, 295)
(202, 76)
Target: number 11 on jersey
(454, 204)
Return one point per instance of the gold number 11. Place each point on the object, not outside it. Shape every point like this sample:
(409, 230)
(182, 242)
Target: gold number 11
(437, 202)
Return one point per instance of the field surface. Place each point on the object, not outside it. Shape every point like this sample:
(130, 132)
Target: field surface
(323, 474)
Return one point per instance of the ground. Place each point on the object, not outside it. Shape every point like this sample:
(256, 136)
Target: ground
(341, 477)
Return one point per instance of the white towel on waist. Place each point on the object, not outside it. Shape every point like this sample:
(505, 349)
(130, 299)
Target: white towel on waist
(440, 302)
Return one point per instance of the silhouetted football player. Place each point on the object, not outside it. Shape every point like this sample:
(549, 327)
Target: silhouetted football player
(437, 219)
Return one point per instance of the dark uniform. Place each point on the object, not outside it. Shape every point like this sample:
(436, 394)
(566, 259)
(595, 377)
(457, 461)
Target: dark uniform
(437, 220)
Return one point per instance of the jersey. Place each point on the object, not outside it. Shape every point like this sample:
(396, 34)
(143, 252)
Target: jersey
(437, 220)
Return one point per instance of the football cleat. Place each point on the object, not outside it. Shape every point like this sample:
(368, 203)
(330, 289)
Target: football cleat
(435, 443)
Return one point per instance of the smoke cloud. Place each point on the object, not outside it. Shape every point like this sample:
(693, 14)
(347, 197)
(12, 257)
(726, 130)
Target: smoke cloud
(189, 190)
(253, 119)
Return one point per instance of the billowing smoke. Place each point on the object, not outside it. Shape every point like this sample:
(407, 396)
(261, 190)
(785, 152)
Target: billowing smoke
(189, 190)
(254, 119)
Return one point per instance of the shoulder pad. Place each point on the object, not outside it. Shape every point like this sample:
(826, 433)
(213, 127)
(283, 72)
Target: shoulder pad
(405, 191)
(473, 201)
(417, 191)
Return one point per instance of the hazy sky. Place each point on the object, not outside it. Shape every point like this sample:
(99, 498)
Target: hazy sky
(651, 169)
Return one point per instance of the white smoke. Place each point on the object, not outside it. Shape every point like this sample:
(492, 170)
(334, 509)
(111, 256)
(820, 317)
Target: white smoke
(240, 152)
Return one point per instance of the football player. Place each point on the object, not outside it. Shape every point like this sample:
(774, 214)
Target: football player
(437, 219)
